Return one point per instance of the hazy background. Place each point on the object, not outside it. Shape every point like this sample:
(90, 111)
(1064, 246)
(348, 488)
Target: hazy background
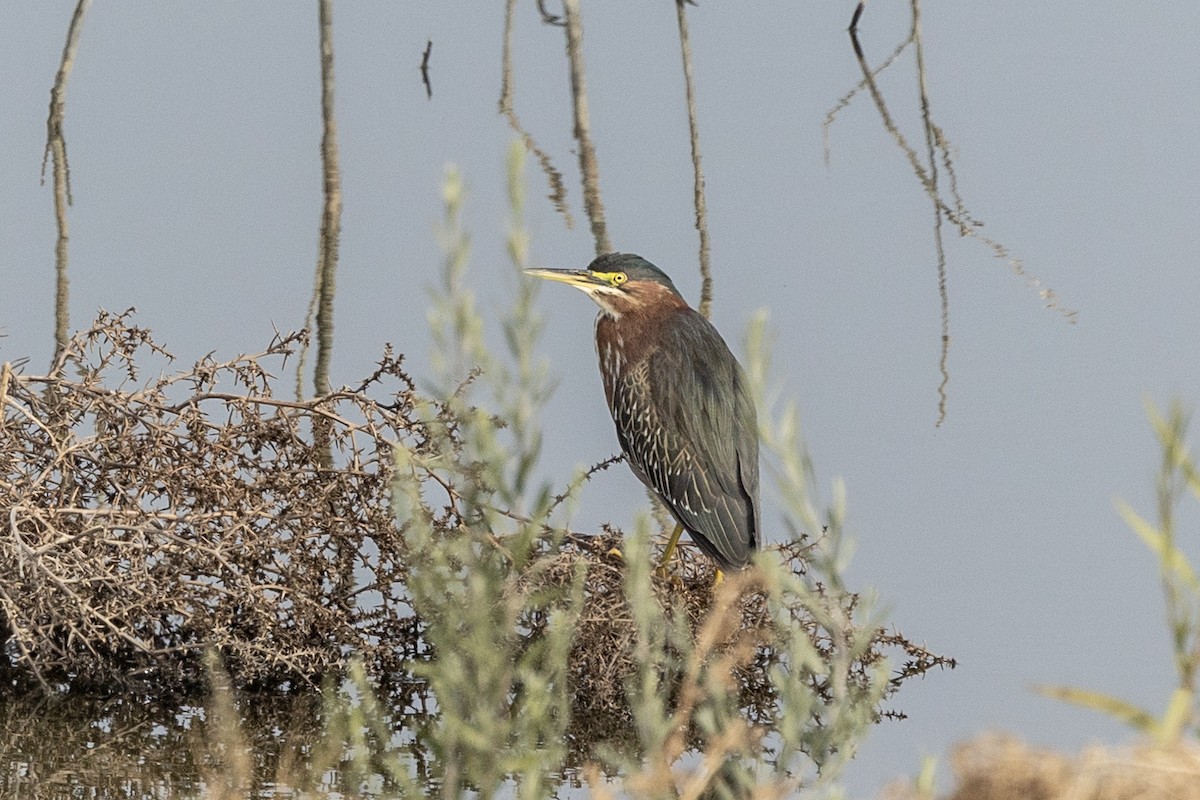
(193, 133)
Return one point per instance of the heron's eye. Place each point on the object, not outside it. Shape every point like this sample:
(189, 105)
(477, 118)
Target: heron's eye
(619, 278)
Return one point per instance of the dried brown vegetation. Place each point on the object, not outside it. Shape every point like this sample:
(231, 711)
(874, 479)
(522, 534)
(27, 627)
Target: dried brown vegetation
(998, 767)
(600, 659)
(147, 521)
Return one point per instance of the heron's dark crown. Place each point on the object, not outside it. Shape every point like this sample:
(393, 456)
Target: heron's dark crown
(635, 268)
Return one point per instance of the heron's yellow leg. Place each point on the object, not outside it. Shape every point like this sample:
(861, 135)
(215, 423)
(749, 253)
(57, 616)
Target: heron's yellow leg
(718, 579)
(672, 543)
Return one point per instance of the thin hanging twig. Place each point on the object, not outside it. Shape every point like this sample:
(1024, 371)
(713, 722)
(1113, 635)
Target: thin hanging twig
(56, 150)
(558, 189)
(685, 46)
(931, 145)
(588, 167)
(929, 179)
(958, 216)
(926, 170)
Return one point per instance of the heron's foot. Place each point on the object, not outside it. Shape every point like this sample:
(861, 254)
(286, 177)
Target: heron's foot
(718, 579)
(616, 553)
(672, 577)
(671, 571)
(667, 566)
(664, 566)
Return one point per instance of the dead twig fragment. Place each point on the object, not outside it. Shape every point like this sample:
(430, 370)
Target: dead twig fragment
(547, 17)
(425, 69)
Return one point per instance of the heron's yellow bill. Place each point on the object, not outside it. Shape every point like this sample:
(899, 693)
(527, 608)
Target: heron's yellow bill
(574, 277)
(585, 279)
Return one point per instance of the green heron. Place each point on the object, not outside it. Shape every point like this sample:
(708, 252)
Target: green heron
(683, 411)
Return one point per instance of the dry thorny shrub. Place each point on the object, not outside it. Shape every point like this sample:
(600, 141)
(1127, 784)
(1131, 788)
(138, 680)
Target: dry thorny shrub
(147, 522)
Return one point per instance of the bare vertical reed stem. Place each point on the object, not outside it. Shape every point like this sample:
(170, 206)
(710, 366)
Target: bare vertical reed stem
(588, 167)
(685, 46)
(56, 150)
(331, 217)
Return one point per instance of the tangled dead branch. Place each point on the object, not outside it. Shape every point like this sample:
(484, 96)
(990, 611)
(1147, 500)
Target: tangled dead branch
(142, 524)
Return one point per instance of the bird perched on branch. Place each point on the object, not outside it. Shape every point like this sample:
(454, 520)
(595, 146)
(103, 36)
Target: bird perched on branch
(679, 398)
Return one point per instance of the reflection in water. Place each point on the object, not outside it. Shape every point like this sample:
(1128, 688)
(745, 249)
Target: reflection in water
(74, 746)
(937, 149)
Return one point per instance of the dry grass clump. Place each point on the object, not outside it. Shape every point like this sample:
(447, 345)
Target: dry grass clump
(999, 767)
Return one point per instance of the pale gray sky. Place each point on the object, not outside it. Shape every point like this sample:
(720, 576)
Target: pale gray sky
(194, 129)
